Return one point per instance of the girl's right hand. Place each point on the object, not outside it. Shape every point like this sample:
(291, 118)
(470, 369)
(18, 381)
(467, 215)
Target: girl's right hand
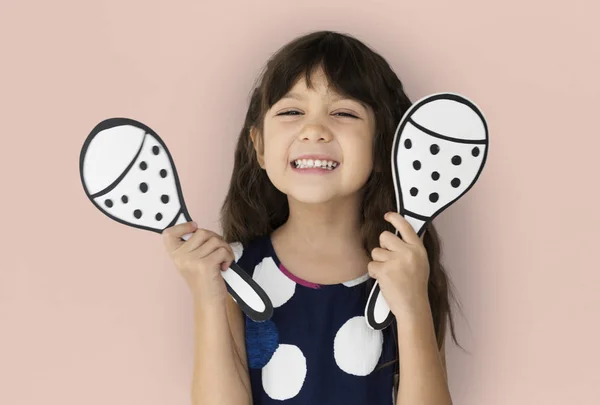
(200, 261)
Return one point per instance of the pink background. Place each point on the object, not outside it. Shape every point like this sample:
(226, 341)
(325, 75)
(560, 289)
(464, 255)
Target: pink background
(92, 312)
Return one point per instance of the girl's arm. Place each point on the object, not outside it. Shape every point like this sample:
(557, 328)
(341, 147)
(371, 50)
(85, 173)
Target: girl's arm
(220, 369)
(423, 379)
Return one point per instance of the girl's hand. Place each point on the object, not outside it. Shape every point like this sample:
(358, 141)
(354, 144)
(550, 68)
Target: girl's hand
(401, 266)
(200, 261)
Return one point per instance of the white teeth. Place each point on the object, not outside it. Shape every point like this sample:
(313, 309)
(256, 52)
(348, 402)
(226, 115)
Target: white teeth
(310, 163)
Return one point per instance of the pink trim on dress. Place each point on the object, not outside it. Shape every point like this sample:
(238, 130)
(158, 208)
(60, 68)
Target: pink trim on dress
(298, 279)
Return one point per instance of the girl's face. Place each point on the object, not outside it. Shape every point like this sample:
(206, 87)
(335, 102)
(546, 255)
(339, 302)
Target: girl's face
(337, 132)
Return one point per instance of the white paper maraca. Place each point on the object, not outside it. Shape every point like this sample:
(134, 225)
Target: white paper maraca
(128, 173)
(439, 151)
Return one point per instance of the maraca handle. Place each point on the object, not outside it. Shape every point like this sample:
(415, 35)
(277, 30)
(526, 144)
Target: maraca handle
(250, 297)
(377, 312)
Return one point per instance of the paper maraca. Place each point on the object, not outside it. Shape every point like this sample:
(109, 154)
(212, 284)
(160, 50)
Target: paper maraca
(128, 173)
(439, 150)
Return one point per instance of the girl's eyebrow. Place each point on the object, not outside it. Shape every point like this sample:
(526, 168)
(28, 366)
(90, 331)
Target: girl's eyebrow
(295, 96)
(335, 97)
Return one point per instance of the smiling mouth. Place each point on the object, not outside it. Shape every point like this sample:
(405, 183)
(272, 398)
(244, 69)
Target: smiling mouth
(314, 164)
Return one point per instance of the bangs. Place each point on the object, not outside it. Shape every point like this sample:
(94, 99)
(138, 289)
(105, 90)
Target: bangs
(341, 61)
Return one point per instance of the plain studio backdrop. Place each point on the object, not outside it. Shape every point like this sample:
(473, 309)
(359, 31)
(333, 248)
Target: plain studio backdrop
(93, 312)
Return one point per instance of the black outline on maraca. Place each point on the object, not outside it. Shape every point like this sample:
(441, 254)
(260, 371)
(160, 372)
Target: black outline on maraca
(118, 121)
(370, 308)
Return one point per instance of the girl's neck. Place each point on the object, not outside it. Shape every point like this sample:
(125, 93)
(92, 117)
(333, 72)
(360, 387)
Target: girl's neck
(321, 243)
(334, 225)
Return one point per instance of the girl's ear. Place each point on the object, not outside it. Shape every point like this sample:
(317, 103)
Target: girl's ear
(258, 146)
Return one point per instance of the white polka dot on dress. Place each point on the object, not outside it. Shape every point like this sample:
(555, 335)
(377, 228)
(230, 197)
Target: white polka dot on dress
(357, 281)
(283, 376)
(356, 347)
(238, 250)
(279, 287)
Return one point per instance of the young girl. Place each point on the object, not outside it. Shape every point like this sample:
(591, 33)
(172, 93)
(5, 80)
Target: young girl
(310, 215)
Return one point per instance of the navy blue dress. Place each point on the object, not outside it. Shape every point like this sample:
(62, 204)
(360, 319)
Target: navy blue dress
(317, 348)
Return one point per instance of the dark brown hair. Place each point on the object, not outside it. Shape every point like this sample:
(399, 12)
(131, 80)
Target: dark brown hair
(253, 206)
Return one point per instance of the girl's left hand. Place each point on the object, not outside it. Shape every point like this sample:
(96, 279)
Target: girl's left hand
(401, 266)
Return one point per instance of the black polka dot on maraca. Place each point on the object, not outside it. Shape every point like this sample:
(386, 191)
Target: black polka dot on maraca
(433, 197)
(414, 191)
(143, 165)
(163, 173)
(435, 176)
(164, 198)
(408, 144)
(434, 149)
(455, 182)
(475, 151)
(158, 216)
(108, 203)
(137, 214)
(143, 187)
(456, 160)
(155, 150)
(124, 199)
(417, 165)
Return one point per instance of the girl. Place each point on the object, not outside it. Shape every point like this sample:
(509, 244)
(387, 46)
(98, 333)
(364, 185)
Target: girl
(310, 214)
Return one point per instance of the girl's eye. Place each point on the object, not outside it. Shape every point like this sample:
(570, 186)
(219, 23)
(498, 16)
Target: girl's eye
(348, 114)
(294, 111)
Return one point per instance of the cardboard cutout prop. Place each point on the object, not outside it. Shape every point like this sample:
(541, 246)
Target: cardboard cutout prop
(128, 173)
(439, 150)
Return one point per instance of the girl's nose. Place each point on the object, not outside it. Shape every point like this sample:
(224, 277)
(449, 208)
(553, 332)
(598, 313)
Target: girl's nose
(316, 133)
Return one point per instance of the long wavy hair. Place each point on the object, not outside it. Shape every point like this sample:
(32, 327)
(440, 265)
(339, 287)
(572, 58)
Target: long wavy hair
(253, 206)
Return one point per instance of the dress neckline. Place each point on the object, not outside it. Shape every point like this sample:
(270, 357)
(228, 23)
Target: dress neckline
(305, 283)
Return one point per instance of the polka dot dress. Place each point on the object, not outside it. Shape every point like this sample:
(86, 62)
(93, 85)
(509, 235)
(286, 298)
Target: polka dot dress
(317, 347)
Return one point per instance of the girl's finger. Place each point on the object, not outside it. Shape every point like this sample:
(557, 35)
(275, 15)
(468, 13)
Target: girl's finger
(172, 236)
(219, 256)
(373, 268)
(405, 229)
(213, 243)
(198, 239)
(391, 242)
(381, 254)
